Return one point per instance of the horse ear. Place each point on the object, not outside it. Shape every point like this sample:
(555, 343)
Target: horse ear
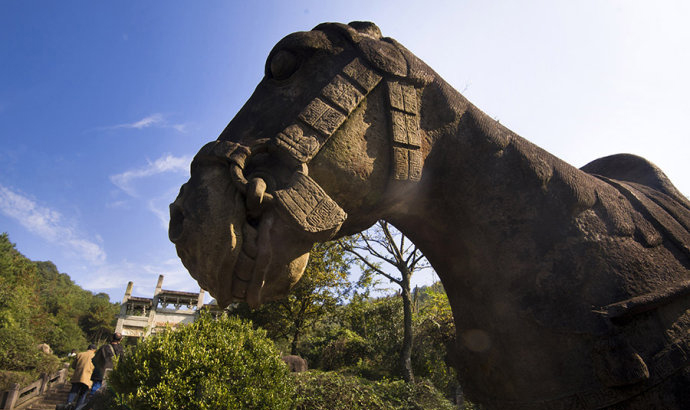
(417, 71)
(367, 28)
(384, 56)
(384, 53)
(391, 57)
(366, 37)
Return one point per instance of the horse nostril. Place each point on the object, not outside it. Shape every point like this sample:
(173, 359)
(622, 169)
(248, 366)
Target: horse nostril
(176, 223)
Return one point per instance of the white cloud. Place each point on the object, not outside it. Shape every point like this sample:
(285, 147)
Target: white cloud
(117, 205)
(165, 164)
(113, 277)
(161, 211)
(87, 249)
(157, 120)
(180, 127)
(48, 224)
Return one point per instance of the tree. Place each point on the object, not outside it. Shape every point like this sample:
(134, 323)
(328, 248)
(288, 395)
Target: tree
(47, 306)
(389, 246)
(17, 286)
(434, 338)
(365, 341)
(20, 315)
(99, 320)
(322, 287)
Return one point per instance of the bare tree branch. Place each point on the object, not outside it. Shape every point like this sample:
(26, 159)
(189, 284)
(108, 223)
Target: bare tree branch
(397, 252)
(374, 267)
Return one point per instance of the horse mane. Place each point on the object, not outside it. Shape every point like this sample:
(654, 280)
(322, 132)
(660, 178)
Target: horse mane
(651, 193)
(631, 168)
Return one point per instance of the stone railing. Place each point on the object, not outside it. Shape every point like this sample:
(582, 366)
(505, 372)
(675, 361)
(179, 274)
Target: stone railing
(18, 395)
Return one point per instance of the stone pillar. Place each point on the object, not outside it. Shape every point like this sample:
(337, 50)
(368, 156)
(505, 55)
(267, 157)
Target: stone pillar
(156, 292)
(12, 396)
(45, 378)
(63, 373)
(200, 301)
(159, 286)
(128, 292)
(119, 327)
(154, 306)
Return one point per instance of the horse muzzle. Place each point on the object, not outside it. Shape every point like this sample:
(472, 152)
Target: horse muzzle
(244, 230)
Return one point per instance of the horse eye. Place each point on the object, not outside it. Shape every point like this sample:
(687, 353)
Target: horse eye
(283, 64)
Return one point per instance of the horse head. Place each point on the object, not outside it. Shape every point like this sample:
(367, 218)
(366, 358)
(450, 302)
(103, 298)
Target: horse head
(327, 140)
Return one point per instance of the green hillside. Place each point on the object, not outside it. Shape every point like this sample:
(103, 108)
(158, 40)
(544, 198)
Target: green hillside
(38, 304)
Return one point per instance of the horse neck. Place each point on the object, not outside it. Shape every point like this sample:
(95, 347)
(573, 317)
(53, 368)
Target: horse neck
(484, 186)
(489, 207)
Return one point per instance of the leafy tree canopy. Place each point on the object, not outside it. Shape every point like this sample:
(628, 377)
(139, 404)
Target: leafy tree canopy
(323, 286)
(38, 304)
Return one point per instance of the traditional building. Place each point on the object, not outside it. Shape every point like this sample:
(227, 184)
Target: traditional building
(140, 317)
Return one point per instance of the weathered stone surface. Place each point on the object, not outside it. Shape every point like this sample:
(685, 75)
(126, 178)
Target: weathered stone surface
(301, 143)
(295, 363)
(343, 94)
(309, 207)
(569, 287)
(366, 78)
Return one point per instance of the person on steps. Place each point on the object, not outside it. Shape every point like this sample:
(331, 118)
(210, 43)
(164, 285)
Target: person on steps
(81, 380)
(103, 360)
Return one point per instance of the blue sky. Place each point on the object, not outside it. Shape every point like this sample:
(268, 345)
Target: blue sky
(103, 104)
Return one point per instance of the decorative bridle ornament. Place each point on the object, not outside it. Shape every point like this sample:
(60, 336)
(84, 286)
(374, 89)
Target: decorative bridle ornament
(303, 202)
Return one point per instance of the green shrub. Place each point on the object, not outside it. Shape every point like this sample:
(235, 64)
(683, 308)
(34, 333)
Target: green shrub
(9, 378)
(18, 353)
(429, 355)
(419, 396)
(206, 365)
(347, 349)
(18, 350)
(20, 360)
(335, 391)
(48, 363)
(64, 334)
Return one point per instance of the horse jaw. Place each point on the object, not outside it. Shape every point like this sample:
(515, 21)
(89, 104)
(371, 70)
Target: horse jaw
(233, 259)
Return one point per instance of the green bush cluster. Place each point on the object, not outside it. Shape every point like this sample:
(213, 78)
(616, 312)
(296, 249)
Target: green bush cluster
(346, 350)
(335, 391)
(206, 365)
(21, 361)
(226, 364)
(8, 378)
(18, 351)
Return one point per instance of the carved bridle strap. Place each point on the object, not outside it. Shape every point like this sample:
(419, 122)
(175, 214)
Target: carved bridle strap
(303, 201)
(319, 120)
(407, 156)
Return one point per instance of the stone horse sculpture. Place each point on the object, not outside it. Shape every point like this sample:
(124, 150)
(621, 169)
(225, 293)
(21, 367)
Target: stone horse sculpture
(570, 287)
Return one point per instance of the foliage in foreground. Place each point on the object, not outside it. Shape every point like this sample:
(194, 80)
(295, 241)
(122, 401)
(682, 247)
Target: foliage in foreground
(206, 365)
(335, 391)
(323, 286)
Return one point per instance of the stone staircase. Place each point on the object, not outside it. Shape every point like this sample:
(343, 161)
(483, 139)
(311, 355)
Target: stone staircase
(50, 399)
